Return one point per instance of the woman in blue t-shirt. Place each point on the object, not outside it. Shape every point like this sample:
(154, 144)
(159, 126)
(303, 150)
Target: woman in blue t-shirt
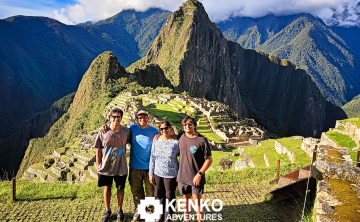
(163, 167)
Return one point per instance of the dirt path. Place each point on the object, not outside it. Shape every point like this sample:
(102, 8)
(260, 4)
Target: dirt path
(239, 204)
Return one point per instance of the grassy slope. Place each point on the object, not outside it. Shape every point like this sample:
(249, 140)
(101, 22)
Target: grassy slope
(343, 141)
(352, 108)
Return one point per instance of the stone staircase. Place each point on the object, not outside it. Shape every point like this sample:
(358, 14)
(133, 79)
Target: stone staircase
(291, 184)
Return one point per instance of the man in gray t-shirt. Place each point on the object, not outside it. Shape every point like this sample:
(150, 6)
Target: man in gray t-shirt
(111, 161)
(195, 159)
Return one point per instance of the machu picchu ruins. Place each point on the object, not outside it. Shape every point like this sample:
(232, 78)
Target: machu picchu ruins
(75, 163)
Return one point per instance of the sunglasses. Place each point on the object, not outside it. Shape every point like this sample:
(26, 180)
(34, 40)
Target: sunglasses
(165, 128)
(187, 124)
(142, 117)
(116, 117)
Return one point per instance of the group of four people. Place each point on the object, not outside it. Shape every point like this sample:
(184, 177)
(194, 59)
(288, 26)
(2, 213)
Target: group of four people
(153, 164)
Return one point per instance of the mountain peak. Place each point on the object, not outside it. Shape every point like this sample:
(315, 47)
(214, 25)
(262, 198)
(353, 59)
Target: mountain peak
(103, 68)
(196, 57)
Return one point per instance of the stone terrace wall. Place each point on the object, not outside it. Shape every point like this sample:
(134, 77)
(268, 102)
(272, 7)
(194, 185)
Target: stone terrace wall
(334, 166)
(349, 129)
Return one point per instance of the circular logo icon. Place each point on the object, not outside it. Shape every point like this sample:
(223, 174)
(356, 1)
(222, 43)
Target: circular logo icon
(145, 215)
(193, 149)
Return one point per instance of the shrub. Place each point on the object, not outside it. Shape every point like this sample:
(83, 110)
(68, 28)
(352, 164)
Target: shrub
(226, 162)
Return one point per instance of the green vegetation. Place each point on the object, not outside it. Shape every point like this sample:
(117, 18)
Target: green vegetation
(345, 194)
(343, 141)
(293, 145)
(352, 108)
(85, 114)
(161, 111)
(289, 38)
(161, 90)
(211, 137)
(356, 121)
(268, 147)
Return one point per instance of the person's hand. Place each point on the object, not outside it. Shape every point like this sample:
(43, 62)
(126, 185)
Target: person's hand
(152, 180)
(156, 137)
(197, 179)
(174, 137)
(104, 128)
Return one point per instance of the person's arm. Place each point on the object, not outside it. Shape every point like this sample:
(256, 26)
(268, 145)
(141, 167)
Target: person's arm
(207, 163)
(205, 166)
(152, 164)
(98, 145)
(98, 157)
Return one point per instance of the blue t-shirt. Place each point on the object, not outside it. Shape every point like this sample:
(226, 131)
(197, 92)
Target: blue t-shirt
(141, 146)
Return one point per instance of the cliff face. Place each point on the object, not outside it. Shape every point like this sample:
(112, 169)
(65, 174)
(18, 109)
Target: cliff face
(197, 58)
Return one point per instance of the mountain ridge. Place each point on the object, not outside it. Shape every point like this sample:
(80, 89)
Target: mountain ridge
(197, 58)
(42, 60)
(307, 42)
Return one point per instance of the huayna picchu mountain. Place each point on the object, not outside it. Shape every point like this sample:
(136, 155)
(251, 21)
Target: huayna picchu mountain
(195, 57)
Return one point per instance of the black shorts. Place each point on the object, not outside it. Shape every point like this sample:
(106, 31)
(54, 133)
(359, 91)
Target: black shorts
(108, 180)
(186, 189)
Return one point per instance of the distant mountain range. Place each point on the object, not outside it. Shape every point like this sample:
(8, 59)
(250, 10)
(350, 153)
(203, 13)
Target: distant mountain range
(190, 53)
(42, 60)
(329, 54)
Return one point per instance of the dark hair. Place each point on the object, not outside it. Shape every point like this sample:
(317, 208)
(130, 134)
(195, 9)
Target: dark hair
(166, 122)
(191, 119)
(117, 110)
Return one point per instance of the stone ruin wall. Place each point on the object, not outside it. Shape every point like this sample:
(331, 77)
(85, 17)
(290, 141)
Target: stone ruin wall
(326, 168)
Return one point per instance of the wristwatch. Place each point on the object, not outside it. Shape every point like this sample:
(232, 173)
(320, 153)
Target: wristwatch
(200, 173)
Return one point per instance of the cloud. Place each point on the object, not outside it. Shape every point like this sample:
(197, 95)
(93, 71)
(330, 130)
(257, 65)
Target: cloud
(333, 12)
(95, 10)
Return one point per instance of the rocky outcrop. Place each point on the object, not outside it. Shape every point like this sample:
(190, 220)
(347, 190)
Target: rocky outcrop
(280, 149)
(308, 145)
(197, 58)
(325, 140)
(243, 163)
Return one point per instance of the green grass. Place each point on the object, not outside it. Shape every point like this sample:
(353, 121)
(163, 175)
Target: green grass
(343, 141)
(268, 147)
(30, 191)
(212, 137)
(353, 120)
(162, 111)
(295, 146)
(257, 177)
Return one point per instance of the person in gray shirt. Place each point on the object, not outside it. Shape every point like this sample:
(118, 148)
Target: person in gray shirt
(111, 161)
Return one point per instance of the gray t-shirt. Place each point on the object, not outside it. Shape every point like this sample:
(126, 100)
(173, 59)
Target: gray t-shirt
(193, 152)
(113, 145)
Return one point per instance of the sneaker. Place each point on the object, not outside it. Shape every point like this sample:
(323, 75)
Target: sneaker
(120, 216)
(106, 216)
(136, 217)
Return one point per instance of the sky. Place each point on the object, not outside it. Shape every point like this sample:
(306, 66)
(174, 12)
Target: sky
(332, 12)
